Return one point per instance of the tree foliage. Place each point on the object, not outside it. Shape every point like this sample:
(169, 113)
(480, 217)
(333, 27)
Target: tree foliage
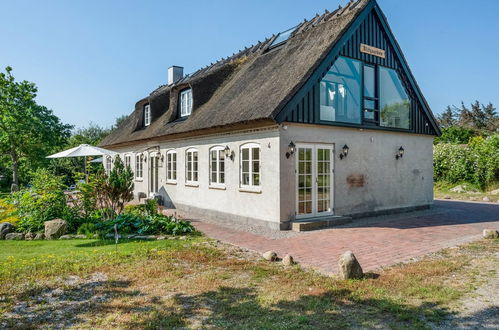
(28, 131)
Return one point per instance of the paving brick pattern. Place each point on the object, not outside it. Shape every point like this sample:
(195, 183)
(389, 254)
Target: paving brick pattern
(376, 244)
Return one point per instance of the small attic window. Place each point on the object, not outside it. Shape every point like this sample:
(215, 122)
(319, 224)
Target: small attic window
(185, 102)
(282, 37)
(147, 115)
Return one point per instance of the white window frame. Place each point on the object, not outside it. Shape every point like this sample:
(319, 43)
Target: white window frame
(193, 172)
(251, 185)
(171, 166)
(109, 164)
(139, 167)
(220, 158)
(128, 161)
(185, 102)
(147, 115)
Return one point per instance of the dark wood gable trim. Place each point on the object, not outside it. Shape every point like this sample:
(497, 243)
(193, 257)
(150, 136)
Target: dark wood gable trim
(369, 27)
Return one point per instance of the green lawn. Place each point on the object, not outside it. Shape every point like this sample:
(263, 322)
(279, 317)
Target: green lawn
(199, 283)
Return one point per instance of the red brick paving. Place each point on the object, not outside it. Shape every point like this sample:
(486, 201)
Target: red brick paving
(377, 244)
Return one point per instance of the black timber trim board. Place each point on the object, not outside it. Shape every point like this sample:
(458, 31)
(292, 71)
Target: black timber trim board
(281, 113)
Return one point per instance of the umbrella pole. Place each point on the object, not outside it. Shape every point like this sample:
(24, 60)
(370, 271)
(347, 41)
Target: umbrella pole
(85, 168)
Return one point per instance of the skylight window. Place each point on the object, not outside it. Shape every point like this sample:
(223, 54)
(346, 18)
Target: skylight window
(282, 37)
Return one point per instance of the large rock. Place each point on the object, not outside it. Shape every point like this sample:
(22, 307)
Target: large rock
(270, 256)
(490, 233)
(349, 266)
(15, 236)
(55, 228)
(5, 228)
(29, 236)
(39, 236)
(288, 260)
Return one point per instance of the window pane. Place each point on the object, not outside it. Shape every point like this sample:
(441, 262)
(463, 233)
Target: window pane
(369, 81)
(395, 105)
(340, 92)
(245, 153)
(245, 179)
(245, 166)
(369, 104)
(256, 179)
(369, 114)
(256, 153)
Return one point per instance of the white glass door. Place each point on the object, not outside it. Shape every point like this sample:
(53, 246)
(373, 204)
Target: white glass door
(314, 177)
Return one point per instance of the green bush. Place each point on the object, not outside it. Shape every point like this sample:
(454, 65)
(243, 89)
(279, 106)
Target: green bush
(455, 134)
(476, 162)
(128, 223)
(150, 208)
(88, 229)
(44, 201)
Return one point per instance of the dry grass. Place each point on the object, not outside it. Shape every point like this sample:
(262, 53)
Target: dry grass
(197, 283)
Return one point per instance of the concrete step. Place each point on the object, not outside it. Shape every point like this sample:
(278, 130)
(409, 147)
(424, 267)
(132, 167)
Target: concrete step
(319, 223)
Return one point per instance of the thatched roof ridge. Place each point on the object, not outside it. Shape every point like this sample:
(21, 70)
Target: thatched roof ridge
(248, 86)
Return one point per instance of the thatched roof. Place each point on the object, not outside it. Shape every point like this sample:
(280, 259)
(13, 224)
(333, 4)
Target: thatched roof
(249, 87)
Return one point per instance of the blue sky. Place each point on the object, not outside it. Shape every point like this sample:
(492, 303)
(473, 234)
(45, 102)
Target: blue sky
(93, 59)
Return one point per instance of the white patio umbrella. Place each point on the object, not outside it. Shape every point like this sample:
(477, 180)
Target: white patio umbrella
(83, 150)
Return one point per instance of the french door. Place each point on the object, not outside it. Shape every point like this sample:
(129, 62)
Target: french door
(153, 174)
(314, 180)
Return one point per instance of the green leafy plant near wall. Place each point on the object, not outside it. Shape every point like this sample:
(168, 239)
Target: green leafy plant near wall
(477, 162)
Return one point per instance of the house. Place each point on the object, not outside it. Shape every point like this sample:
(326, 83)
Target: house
(324, 119)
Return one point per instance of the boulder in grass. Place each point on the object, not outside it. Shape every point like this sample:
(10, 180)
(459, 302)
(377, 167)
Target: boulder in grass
(39, 237)
(29, 236)
(490, 233)
(14, 236)
(55, 228)
(288, 260)
(5, 228)
(270, 256)
(349, 266)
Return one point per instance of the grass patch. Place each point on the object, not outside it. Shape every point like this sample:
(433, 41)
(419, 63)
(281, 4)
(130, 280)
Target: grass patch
(197, 283)
(442, 191)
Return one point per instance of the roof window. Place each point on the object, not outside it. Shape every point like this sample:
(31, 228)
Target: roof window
(282, 37)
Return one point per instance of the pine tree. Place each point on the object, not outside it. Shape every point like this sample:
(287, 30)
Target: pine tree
(447, 118)
(492, 118)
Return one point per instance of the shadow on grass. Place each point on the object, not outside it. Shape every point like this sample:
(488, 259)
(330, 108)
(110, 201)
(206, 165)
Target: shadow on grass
(226, 307)
(61, 308)
(230, 307)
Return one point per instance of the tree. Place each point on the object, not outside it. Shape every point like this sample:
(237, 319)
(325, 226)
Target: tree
(491, 118)
(28, 131)
(447, 118)
(113, 191)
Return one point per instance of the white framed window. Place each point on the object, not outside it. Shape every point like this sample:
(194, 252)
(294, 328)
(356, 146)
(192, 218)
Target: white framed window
(250, 165)
(128, 161)
(171, 166)
(217, 166)
(147, 115)
(185, 102)
(138, 166)
(191, 166)
(108, 164)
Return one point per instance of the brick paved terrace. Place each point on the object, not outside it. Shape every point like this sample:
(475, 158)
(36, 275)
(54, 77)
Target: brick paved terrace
(377, 241)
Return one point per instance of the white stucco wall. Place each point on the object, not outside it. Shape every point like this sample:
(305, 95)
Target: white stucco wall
(232, 203)
(388, 183)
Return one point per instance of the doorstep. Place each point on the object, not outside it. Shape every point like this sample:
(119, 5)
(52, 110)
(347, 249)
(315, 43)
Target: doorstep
(319, 223)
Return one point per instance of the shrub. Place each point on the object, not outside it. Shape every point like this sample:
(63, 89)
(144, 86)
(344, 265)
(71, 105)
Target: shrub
(112, 192)
(8, 212)
(44, 201)
(476, 163)
(88, 229)
(128, 223)
(150, 208)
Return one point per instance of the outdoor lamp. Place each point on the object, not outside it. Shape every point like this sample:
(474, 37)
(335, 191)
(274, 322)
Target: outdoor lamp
(344, 152)
(291, 149)
(400, 153)
(228, 153)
